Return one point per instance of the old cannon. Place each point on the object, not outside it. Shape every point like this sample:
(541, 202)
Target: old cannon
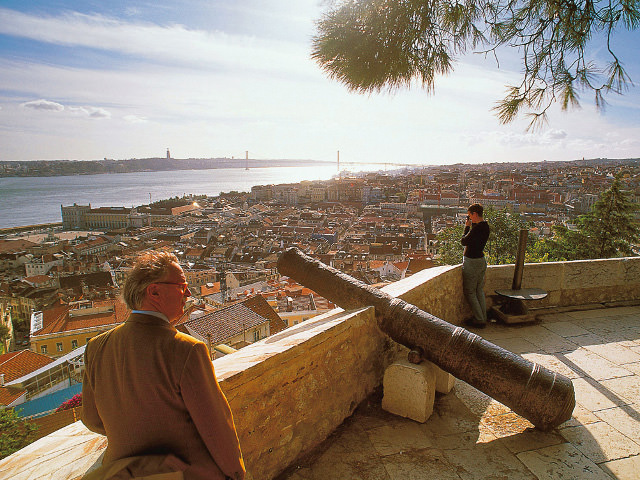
(543, 397)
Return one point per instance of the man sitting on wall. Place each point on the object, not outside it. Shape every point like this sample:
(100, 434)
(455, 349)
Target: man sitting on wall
(153, 391)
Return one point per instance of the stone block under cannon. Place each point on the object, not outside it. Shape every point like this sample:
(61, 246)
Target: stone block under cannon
(543, 397)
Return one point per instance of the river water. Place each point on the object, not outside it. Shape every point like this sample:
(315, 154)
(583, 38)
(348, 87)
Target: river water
(35, 200)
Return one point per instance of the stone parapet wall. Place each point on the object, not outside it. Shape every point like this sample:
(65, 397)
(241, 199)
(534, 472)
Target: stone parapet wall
(290, 391)
(438, 290)
(581, 282)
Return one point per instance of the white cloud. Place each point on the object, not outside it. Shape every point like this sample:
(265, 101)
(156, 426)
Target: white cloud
(47, 105)
(629, 142)
(91, 112)
(173, 44)
(551, 135)
(132, 11)
(516, 139)
(134, 119)
(43, 105)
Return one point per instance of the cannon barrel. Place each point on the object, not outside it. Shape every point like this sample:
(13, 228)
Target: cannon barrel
(543, 397)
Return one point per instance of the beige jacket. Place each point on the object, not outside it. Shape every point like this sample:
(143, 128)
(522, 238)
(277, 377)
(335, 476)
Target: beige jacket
(152, 391)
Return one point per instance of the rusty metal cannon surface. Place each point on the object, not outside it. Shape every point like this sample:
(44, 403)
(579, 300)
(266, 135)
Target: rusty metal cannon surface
(543, 397)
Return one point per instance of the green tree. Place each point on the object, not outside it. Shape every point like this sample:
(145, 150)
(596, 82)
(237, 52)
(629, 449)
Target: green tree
(4, 336)
(505, 226)
(566, 244)
(449, 246)
(611, 226)
(610, 229)
(370, 45)
(4, 333)
(15, 432)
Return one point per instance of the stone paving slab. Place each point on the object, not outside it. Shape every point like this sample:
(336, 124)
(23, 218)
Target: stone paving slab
(517, 345)
(478, 402)
(633, 367)
(600, 441)
(565, 329)
(581, 416)
(420, 465)
(547, 340)
(615, 353)
(626, 387)
(553, 362)
(561, 461)
(624, 419)
(391, 439)
(623, 469)
(468, 440)
(593, 396)
(587, 339)
(593, 365)
(549, 318)
(451, 416)
(490, 460)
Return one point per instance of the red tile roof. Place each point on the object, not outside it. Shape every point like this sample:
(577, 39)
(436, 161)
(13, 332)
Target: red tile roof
(7, 396)
(259, 305)
(206, 290)
(59, 319)
(37, 279)
(401, 265)
(225, 323)
(12, 246)
(17, 364)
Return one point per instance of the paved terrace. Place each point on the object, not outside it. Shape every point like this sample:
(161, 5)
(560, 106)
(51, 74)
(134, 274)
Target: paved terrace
(471, 436)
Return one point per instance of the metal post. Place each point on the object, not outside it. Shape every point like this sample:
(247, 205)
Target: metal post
(519, 268)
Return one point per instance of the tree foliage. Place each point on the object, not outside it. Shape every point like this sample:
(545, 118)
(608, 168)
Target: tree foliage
(4, 333)
(370, 45)
(502, 246)
(15, 432)
(610, 229)
(449, 246)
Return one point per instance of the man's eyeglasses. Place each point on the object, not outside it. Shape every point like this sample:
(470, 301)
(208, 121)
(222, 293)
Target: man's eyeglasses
(183, 286)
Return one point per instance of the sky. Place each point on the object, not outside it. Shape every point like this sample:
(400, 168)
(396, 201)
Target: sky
(208, 78)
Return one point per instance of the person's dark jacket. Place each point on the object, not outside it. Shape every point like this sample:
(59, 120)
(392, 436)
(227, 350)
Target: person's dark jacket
(474, 239)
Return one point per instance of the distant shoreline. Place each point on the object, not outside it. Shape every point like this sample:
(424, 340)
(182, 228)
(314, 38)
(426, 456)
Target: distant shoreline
(67, 168)
(28, 228)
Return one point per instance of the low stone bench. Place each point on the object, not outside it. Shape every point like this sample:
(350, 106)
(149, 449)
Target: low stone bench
(409, 388)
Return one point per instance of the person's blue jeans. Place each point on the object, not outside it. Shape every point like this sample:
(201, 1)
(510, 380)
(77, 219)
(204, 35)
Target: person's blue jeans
(473, 272)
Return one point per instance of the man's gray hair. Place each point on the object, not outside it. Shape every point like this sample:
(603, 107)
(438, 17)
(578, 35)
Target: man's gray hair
(149, 267)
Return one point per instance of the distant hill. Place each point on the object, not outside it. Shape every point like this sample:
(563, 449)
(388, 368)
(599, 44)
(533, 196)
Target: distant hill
(53, 168)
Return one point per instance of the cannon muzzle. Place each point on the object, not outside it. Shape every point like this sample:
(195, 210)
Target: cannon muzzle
(543, 397)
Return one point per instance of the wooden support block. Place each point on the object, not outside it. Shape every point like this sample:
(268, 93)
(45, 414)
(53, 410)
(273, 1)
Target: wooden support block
(444, 380)
(409, 389)
(509, 319)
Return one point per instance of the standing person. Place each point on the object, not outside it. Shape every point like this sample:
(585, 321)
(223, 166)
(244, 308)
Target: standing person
(474, 265)
(152, 390)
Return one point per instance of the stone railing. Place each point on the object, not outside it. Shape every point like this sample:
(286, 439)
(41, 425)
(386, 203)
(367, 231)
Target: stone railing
(577, 283)
(288, 392)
